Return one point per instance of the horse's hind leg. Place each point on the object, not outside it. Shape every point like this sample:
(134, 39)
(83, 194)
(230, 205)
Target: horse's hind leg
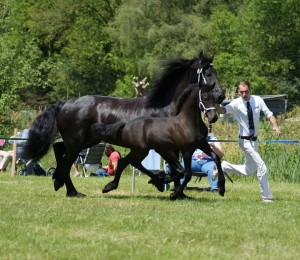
(68, 160)
(59, 152)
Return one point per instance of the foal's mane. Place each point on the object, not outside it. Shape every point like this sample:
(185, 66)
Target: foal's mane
(185, 94)
(163, 90)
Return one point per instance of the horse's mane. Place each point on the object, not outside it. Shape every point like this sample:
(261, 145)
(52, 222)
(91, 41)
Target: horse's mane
(162, 92)
(185, 94)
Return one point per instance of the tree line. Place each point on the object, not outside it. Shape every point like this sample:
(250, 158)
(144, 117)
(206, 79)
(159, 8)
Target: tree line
(62, 49)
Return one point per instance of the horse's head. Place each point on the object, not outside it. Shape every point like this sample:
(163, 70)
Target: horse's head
(207, 77)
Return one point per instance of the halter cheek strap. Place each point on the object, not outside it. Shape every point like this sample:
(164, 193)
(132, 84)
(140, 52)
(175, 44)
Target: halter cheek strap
(201, 74)
(201, 105)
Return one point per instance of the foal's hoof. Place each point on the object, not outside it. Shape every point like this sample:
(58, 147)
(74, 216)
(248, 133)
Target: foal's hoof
(222, 191)
(76, 195)
(57, 184)
(110, 186)
(158, 184)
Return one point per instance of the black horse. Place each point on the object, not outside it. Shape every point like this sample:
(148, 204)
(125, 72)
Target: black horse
(183, 132)
(73, 119)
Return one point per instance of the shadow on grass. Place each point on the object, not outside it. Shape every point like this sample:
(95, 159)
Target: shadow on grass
(155, 197)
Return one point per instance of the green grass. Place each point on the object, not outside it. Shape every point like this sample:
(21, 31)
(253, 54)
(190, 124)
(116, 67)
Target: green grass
(38, 223)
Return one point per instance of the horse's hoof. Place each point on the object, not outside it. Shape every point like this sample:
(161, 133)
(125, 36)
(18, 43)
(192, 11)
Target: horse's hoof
(57, 184)
(222, 192)
(158, 184)
(178, 196)
(109, 187)
(76, 195)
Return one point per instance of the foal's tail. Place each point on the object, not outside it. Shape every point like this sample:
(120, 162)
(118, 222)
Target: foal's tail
(109, 133)
(42, 133)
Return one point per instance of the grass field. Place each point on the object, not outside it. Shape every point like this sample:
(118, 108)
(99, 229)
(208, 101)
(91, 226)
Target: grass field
(38, 223)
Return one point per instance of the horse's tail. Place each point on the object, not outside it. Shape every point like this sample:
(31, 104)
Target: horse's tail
(41, 133)
(110, 133)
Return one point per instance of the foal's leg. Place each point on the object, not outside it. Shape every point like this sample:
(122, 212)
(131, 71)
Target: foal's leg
(177, 170)
(178, 193)
(221, 179)
(122, 164)
(134, 157)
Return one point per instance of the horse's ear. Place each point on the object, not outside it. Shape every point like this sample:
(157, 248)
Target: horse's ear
(201, 54)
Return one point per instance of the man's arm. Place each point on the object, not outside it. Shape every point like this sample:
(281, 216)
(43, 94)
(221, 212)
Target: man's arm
(216, 147)
(275, 126)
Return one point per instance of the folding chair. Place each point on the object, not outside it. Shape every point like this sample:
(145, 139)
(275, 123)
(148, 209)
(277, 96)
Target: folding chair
(199, 176)
(90, 159)
(152, 163)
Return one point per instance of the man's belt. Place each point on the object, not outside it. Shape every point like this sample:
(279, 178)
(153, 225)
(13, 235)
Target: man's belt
(252, 138)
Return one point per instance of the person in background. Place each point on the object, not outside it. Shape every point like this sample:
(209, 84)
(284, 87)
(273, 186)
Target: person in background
(113, 158)
(201, 162)
(246, 110)
(6, 157)
(32, 166)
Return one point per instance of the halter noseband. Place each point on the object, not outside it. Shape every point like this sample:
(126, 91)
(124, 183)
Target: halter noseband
(201, 105)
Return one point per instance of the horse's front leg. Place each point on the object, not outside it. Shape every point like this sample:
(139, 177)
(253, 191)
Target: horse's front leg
(178, 193)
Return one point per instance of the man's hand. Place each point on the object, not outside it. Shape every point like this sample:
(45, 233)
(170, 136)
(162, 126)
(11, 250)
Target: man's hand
(220, 109)
(277, 130)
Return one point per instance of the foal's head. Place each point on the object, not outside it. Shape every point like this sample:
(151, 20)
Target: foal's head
(207, 104)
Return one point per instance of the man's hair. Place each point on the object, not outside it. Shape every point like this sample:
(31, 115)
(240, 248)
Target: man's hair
(245, 83)
(109, 147)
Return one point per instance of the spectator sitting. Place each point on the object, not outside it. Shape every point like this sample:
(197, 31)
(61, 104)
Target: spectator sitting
(113, 158)
(30, 164)
(6, 157)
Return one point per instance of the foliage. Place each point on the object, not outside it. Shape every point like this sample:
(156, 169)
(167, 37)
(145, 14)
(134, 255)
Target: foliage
(56, 50)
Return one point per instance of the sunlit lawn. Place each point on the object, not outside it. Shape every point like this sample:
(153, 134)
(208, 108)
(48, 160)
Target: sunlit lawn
(38, 223)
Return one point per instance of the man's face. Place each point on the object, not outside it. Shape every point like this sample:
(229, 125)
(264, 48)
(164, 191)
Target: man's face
(244, 92)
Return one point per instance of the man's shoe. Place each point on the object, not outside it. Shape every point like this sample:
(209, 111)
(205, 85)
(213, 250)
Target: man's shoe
(267, 200)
